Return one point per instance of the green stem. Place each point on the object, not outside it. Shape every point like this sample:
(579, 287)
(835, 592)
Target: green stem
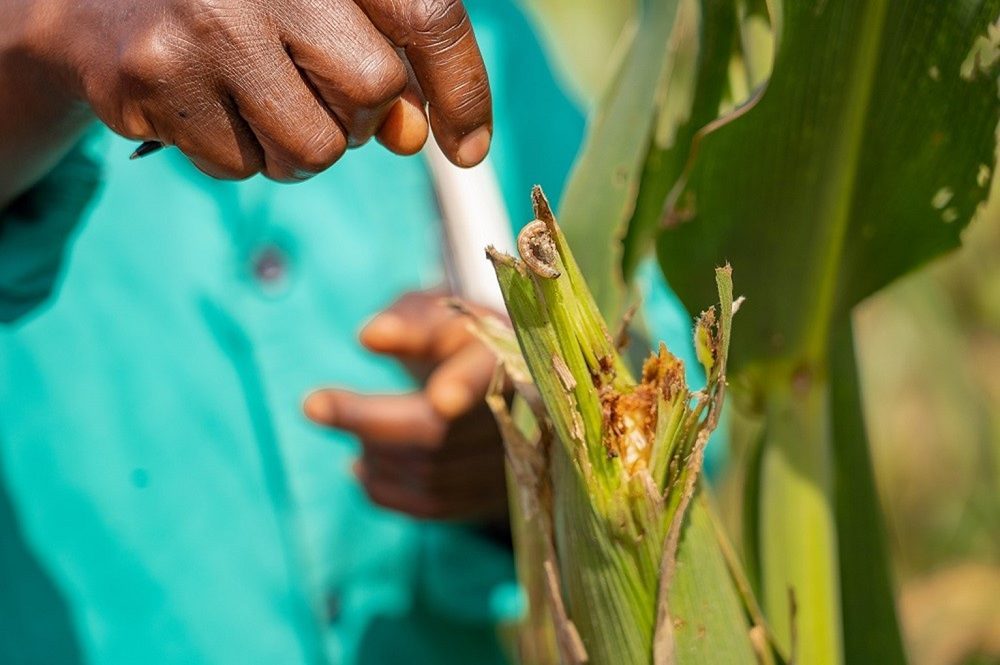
(705, 605)
(610, 586)
(871, 631)
(798, 537)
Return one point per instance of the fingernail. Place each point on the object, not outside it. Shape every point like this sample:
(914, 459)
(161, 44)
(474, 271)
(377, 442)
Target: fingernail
(450, 400)
(404, 130)
(319, 409)
(384, 326)
(473, 147)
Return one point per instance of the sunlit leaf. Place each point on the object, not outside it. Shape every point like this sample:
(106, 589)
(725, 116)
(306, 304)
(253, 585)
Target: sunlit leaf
(600, 196)
(862, 159)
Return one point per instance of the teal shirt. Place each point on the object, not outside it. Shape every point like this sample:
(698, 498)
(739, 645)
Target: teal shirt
(162, 499)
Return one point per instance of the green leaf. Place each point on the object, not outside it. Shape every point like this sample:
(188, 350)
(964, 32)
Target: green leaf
(585, 38)
(688, 99)
(859, 161)
(600, 196)
(866, 586)
(866, 154)
(709, 621)
(797, 528)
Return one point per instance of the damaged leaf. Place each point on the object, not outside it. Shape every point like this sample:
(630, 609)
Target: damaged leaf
(608, 472)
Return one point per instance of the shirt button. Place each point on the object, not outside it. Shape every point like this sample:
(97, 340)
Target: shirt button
(269, 267)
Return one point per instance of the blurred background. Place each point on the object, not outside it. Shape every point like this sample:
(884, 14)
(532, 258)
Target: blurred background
(929, 349)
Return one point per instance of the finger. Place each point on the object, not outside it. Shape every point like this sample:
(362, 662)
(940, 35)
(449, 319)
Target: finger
(167, 95)
(298, 134)
(135, 123)
(217, 141)
(441, 475)
(398, 497)
(442, 465)
(463, 493)
(418, 325)
(211, 134)
(460, 382)
(387, 420)
(440, 45)
(410, 338)
(404, 130)
(354, 69)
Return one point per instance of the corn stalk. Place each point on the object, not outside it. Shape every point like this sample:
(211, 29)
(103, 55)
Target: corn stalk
(855, 155)
(618, 547)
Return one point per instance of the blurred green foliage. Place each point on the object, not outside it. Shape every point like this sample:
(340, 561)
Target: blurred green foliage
(930, 355)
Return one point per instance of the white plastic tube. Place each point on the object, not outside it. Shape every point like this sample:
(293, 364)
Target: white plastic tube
(473, 216)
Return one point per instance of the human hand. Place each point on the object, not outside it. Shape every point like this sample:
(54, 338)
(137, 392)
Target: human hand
(281, 87)
(435, 453)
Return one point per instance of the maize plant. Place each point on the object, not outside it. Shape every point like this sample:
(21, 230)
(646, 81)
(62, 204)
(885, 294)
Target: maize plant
(617, 544)
(826, 149)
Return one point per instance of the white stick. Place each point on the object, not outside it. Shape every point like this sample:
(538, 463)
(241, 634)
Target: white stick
(473, 216)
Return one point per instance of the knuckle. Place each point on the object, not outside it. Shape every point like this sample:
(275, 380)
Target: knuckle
(243, 169)
(377, 495)
(436, 434)
(225, 24)
(150, 58)
(429, 508)
(381, 78)
(230, 156)
(423, 471)
(430, 436)
(132, 122)
(437, 18)
(227, 167)
(410, 298)
(317, 151)
(410, 301)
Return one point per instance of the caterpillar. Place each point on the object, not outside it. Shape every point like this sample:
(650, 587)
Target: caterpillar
(538, 250)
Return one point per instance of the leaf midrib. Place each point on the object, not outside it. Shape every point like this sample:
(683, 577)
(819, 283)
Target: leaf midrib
(845, 160)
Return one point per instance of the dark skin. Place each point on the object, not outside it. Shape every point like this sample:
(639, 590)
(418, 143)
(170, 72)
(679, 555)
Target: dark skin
(436, 452)
(279, 87)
